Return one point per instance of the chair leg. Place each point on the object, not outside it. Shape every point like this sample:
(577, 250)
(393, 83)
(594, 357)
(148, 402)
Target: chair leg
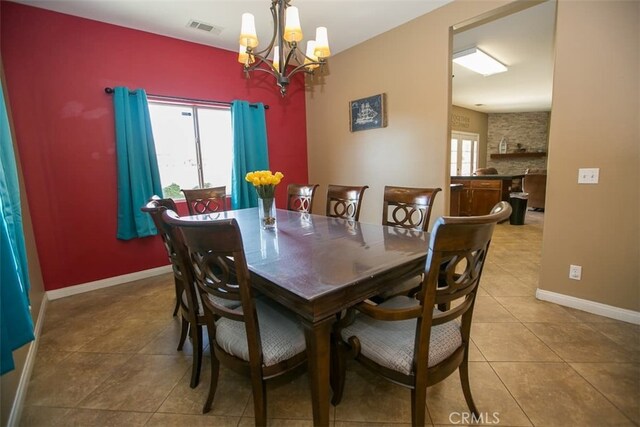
(196, 337)
(183, 333)
(338, 369)
(418, 405)
(213, 383)
(466, 388)
(259, 398)
(176, 308)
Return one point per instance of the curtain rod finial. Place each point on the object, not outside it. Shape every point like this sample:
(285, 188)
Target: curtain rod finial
(108, 90)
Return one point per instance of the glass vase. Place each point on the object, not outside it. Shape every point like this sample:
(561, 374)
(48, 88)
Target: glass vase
(267, 212)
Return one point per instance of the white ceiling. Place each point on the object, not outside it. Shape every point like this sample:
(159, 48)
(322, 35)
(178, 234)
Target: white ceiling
(522, 41)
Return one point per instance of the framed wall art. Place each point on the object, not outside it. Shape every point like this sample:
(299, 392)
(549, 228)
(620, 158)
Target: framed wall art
(368, 113)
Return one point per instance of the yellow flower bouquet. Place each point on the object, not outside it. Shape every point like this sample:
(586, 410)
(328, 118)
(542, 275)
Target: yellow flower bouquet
(265, 184)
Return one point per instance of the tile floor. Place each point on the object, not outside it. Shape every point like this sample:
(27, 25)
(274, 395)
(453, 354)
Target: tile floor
(108, 358)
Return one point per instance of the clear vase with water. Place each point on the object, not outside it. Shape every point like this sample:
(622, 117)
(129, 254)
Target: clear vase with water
(267, 212)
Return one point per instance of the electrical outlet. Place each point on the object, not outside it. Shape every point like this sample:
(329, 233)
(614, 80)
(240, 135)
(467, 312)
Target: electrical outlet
(575, 272)
(588, 175)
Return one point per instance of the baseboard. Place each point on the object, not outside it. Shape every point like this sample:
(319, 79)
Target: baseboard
(105, 283)
(21, 391)
(610, 311)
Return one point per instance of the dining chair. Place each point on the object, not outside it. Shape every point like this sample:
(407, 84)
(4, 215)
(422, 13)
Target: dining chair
(206, 200)
(407, 340)
(154, 212)
(300, 197)
(192, 318)
(344, 201)
(407, 207)
(260, 337)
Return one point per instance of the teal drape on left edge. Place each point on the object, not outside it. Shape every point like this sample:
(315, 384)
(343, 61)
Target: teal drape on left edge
(16, 324)
(138, 175)
(249, 151)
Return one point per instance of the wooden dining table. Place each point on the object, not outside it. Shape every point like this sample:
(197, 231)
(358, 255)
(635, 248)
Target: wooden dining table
(317, 266)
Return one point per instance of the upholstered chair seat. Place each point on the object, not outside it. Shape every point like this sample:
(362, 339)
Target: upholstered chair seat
(280, 332)
(391, 344)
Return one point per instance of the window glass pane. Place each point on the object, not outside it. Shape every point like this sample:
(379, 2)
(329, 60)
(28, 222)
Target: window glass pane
(454, 157)
(174, 137)
(216, 146)
(466, 157)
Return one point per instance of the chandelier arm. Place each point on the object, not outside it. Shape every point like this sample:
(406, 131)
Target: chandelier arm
(267, 50)
(303, 67)
(292, 54)
(262, 60)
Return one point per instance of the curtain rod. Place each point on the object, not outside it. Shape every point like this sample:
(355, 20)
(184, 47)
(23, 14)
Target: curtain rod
(109, 91)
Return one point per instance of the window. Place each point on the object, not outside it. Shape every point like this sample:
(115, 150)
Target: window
(464, 153)
(194, 146)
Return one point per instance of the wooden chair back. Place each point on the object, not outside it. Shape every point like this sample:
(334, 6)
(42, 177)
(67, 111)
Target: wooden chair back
(218, 266)
(300, 197)
(407, 207)
(206, 200)
(345, 201)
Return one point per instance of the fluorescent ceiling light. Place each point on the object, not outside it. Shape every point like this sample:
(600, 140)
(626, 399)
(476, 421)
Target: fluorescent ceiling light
(478, 61)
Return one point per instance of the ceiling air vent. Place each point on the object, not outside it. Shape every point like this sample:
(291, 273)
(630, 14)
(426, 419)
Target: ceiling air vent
(199, 25)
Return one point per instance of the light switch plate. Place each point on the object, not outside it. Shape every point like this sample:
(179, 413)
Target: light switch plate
(588, 175)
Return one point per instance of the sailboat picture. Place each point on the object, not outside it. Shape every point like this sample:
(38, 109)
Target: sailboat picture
(368, 113)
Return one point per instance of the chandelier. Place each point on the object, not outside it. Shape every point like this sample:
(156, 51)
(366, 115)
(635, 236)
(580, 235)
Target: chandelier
(286, 57)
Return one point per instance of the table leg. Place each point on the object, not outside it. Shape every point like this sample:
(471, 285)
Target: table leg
(317, 337)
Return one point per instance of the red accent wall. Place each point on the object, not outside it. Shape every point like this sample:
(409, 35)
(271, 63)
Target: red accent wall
(56, 69)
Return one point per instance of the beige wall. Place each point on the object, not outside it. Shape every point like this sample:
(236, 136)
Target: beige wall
(9, 382)
(594, 123)
(411, 65)
(466, 120)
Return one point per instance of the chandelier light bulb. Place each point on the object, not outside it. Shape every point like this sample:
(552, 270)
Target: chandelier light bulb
(248, 36)
(322, 43)
(276, 58)
(292, 28)
(310, 55)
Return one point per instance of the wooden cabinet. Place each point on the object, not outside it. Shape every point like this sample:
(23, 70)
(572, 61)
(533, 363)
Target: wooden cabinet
(480, 194)
(484, 195)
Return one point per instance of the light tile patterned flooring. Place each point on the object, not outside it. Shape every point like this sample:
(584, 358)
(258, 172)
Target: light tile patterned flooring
(108, 358)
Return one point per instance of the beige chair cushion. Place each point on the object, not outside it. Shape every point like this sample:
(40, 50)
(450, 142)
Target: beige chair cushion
(391, 343)
(281, 334)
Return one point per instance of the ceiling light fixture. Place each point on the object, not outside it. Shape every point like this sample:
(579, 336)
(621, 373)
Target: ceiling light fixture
(287, 32)
(479, 61)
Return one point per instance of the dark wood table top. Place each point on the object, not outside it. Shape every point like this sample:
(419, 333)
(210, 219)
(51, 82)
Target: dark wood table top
(315, 259)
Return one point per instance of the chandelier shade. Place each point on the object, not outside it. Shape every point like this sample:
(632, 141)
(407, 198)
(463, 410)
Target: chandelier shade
(282, 58)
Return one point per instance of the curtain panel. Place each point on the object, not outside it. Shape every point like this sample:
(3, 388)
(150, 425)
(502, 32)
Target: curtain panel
(138, 174)
(16, 324)
(249, 151)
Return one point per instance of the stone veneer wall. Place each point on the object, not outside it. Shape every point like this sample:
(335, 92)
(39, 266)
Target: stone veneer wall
(530, 130)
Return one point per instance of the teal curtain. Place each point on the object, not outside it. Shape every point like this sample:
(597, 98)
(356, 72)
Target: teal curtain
(249, 151)
(138, 175)
(16, 325)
